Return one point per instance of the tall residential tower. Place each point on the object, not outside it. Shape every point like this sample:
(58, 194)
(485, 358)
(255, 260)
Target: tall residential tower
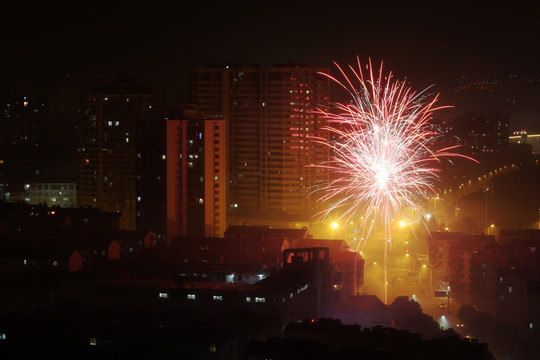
(122, 154)
(270, 114)
(196, 176)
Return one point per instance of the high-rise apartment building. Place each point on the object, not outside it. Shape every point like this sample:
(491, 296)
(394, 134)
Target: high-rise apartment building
(196, 176)
(24, 121)
(481, 133)
(122, 154)
(271, 117)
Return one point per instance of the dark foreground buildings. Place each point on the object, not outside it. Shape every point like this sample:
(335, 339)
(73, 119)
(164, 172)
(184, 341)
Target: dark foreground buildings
(198, 298)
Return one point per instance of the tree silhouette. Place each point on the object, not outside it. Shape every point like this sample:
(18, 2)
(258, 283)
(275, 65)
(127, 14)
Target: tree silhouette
(407, 314)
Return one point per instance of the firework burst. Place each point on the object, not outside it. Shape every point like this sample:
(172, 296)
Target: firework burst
(383, 148)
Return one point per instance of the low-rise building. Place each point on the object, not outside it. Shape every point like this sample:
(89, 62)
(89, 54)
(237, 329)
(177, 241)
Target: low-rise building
(61, 194)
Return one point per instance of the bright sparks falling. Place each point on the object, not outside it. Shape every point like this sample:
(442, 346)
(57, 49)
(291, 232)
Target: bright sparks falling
(382, 148)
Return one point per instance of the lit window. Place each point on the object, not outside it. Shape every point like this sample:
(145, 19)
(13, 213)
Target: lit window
(163, 295)
(116, 123)
(163, 157)
(509, 289)
(260, 299)
(191, 296)
(213, 348)
(248, 299)
(93, 341)
(55, 263)
(218, 297)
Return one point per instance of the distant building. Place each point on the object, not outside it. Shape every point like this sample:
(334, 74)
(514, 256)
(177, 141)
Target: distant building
(121, 147)
(484, 278)
(23, 122)
(196, 176)
(271, 117)
(512, 94)
(450, 260)
(481, 133)
(505, 279)
(61, 194)
(522, 137)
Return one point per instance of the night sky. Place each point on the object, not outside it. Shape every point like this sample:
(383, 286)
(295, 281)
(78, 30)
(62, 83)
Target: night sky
(56, 50)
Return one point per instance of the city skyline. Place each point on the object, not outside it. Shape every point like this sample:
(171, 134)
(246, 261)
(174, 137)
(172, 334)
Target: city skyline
(157, 163)
(61, 52)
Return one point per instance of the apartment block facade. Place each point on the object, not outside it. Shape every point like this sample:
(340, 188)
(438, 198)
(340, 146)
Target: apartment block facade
(196, 176)
(271, 114)
(121, 145)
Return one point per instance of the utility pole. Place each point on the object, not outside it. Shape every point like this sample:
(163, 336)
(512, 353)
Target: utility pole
(486, 211)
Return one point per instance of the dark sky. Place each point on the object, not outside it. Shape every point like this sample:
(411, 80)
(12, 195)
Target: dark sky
(156, 42)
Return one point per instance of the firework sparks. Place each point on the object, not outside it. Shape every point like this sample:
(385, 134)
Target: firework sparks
(383, 152)
(383, 148)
